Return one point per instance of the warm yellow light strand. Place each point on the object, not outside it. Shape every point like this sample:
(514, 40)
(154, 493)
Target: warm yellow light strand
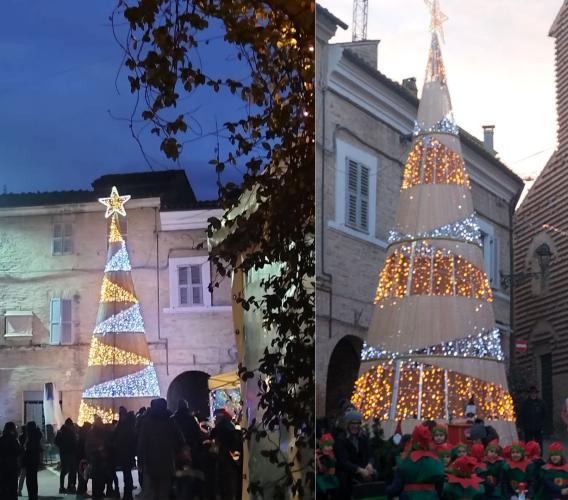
(111, 292)
(434, 272)
(88, 412)
(440, 165)
(373, 394)
(102, 354)
(114, 234)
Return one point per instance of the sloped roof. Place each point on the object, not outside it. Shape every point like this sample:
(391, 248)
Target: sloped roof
(465, 136)
(322, 11)
(171, 186)
(558, 19)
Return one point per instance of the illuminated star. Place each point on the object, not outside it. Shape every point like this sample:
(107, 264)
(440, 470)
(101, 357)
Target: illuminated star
(115, 203)
(438, 17)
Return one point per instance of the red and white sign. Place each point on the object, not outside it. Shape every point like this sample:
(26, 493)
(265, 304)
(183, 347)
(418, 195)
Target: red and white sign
(521, 345)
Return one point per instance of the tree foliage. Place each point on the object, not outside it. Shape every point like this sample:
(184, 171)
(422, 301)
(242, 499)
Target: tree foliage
(275, 142)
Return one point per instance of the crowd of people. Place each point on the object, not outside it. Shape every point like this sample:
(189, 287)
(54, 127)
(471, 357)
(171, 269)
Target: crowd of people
(176, 456)
(355, 461)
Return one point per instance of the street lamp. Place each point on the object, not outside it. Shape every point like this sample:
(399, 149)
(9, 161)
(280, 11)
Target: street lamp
(544, 258)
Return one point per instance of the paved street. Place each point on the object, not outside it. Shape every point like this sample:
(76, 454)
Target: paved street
(48, 480)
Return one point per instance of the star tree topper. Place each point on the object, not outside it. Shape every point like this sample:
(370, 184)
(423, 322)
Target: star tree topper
(114, 203)
(438, 17)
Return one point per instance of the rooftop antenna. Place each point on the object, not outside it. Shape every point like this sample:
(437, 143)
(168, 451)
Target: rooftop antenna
(360, 15)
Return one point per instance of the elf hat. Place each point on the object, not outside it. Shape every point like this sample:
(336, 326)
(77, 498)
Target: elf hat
(441, 428)
(464, 466)
(421, 438)
(518, 446)
(326, 440)
(494, 445)
(556, 448)
(533, 450)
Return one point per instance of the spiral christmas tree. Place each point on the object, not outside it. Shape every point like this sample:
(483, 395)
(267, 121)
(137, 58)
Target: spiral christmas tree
(432, 343)
(119, 369)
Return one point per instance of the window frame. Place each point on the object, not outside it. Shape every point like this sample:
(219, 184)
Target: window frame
(491, 253)
(60, 321)
(62, 238)
(346, 152)
(175, 263)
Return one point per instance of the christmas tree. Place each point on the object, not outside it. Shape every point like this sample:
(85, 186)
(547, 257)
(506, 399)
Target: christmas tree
(119, 369)
(432, 344)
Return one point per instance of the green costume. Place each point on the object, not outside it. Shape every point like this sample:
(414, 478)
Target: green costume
(493, 476)
(420, 472)
(462, 481)
(553, 479)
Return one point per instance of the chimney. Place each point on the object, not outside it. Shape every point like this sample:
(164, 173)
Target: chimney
(410, 85)
(488, 135)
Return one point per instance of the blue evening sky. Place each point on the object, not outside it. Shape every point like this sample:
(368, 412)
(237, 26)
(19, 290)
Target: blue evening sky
(63, 120)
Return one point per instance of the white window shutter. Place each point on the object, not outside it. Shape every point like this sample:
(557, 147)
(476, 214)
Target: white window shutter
(55, 321)
(66, 332)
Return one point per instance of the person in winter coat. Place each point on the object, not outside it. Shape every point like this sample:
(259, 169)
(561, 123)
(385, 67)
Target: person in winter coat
(32, 458)
(9, 455)
(66, 440)
(229, 442)
(533, 416)
(124, 444)
(159, 441)
(354, 459)
(96, 453)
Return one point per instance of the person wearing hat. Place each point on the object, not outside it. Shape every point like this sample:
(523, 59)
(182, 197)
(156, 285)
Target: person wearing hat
(458, 451)
(439, 436)
(444, 451)
(517, 476)
(354, 458)
(495, 471)
(554, 474)
(462, 481)
(420, 474)
(533, 453)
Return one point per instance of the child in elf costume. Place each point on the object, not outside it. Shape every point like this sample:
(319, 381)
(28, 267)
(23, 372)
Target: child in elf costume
(554, 475)
(458, 451)
(420, 473)
(326, 480)
(533, 452)
(445, 454)
(495, 471)
(439, 436)
(517, 475)
(477, 452)
(462, 481)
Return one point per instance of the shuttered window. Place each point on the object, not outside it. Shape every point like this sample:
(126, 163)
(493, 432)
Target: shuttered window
(491, 253)
(357, 209)
(190, 282)
(62, 238)
(60, 321)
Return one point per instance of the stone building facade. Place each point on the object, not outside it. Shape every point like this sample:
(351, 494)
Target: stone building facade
(541, 307)
(364, 125)
(53, 250)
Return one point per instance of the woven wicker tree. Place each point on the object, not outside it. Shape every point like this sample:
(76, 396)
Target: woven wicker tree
(432, 343)
(119, 370)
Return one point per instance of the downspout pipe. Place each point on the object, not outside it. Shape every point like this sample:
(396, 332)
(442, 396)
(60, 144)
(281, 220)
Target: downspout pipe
(512, 206)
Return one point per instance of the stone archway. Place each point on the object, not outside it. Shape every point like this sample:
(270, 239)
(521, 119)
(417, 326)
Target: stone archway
(342, 371)
(192, 386)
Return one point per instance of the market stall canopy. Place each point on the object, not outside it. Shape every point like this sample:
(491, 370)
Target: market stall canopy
(228, 380)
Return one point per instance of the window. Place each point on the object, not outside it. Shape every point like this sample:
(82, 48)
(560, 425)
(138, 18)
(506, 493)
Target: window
(491, 249)
(62, 238)
(189, 282)
(60, 331)
(357, 193)
(18, 323)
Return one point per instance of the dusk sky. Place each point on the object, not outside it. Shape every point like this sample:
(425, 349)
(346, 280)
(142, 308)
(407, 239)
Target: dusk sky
(499, 59)
(63, 119)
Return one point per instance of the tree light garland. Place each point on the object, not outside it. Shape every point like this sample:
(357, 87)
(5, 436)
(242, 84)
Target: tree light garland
(485, 345)
(111, 292)
(88, 412)
(420, 269)
(101, 354)
(431, 162)
(464, 230)
(136, 385)
(114, 234)
(446, 125)
(127, 321)
(119, 261)
(373, 393)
